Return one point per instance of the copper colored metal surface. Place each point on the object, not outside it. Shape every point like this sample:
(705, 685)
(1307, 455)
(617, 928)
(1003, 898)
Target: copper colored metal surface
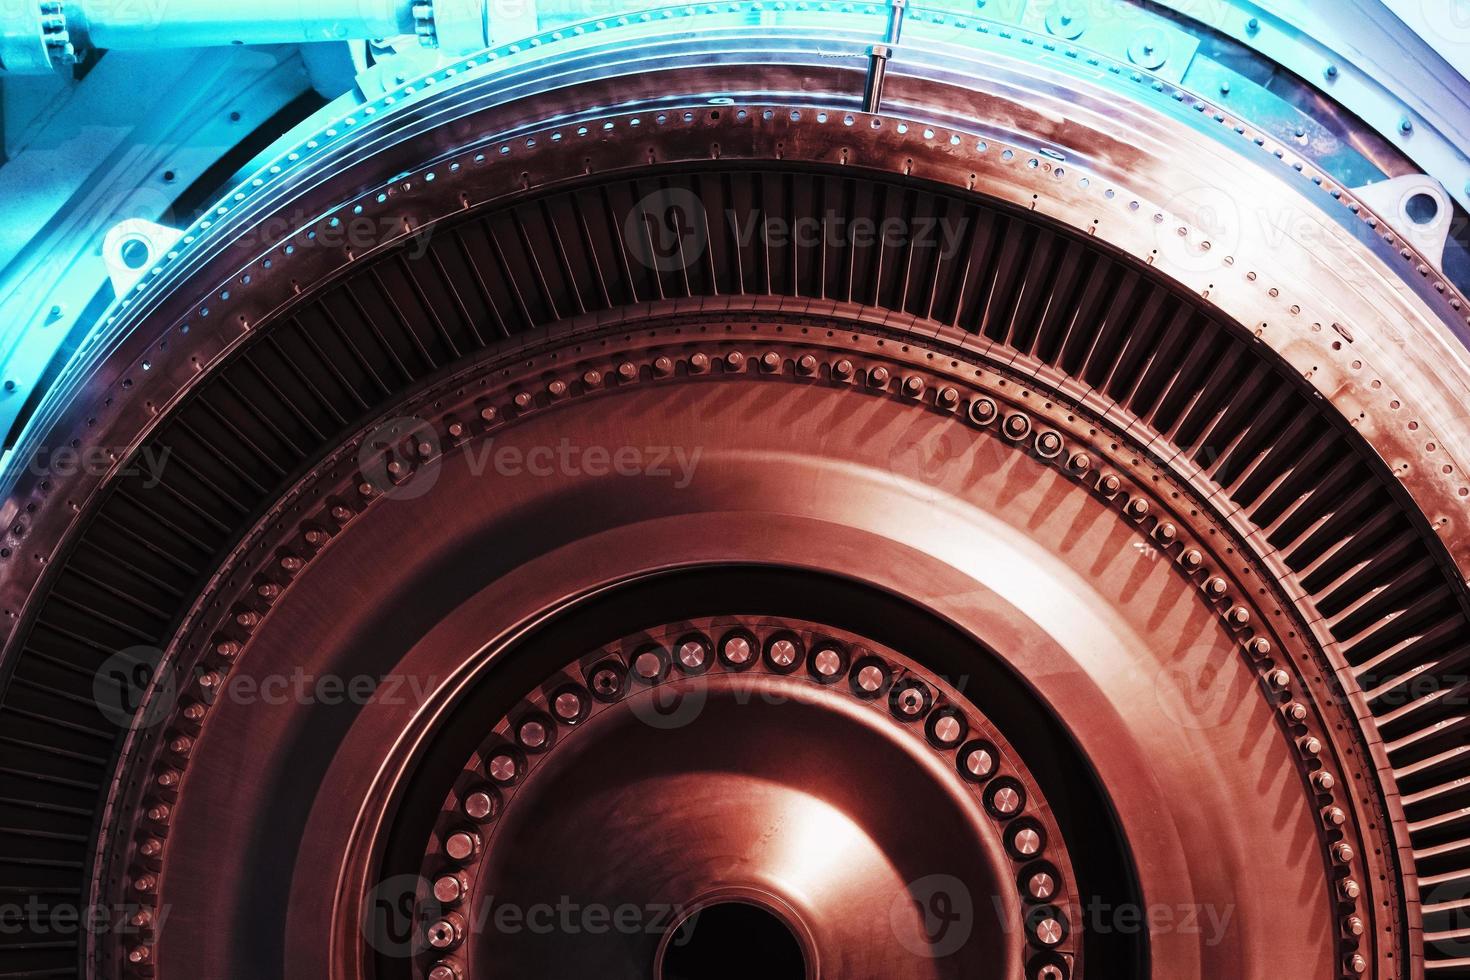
(1015, 592)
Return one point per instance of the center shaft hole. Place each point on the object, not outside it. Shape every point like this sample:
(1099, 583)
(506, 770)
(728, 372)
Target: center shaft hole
(733, 941)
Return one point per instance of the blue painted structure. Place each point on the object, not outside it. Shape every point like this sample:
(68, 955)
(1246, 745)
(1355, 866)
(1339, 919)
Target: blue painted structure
(158, 117)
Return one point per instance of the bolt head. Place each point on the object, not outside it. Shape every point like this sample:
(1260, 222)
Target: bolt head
(479, 805)
(461, 845)
(693, 654)
(503, 768)
(827, 663)
(871, 679)
(737, 650)
(948, 729)
(448, 888)
(783, 653)
(568, 706)
(979, 763)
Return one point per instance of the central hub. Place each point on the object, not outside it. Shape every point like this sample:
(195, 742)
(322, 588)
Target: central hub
(741, 796)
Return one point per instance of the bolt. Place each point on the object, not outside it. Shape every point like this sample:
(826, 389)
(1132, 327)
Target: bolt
(1295, 711)
(1353, 925)
(648, 665)
(1342, 852)
(503, 768)
(734, 361)
(592, 379)
(445, 933)
(1050, 971)
(878, 377)
(1356, 963)
(842, 370)
(533, 734)
(479, 805)
(461, 845)
(983, 411)
(1253, 25)
(979, 763)
(910, 702)
(1331, 72)
(1278, 679)
(1017, 426)
(1048, 444)
(1026, 841)
(770, 361)
(1049, 931)
(606, 681)
(1006, 800)
(913, 386)
(1324, 781)
(628, 371)
(871, 678)
(663, 367)
(1406, 126)
(806, 364)
(737, 650)
(1224, 88)
(699, 363)
(568, 706)
(947, 730)
(1041, 886)
(827, 662)
(692, 654)
(444, 971)
(448, 888)
(783, 653)
(1110, 484)
(947, 398)
(1349, 889)
(1137, 508)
